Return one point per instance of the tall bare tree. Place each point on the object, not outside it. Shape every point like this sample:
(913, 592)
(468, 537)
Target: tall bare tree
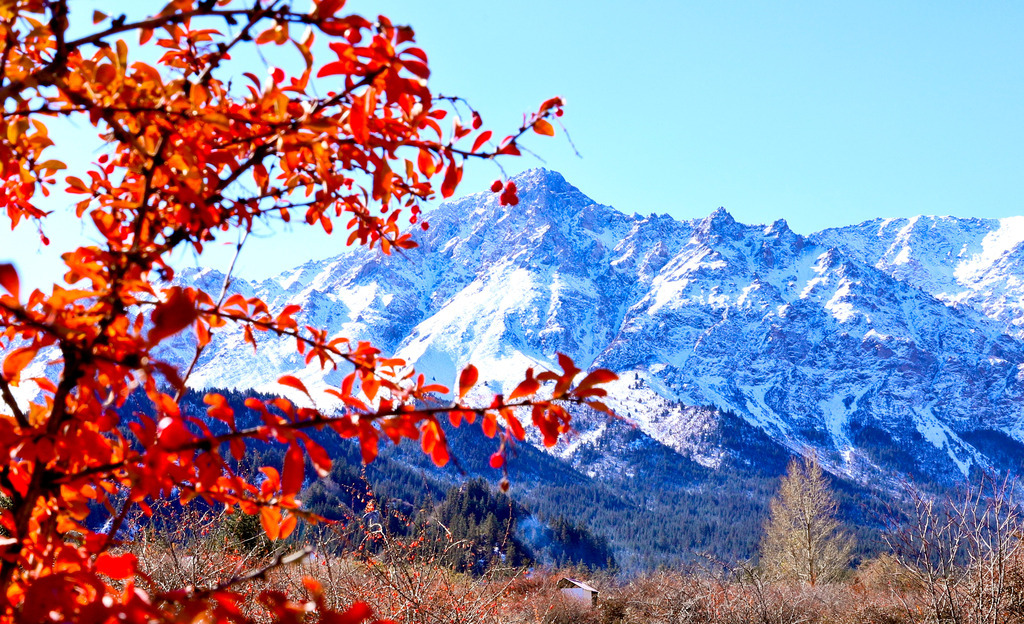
(802, 539)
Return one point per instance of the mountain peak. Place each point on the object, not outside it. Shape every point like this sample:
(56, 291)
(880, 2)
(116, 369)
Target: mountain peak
(547, 196)
(542, 193)
(718, 223)
(778, 228)
(720, 216)
(540, 177)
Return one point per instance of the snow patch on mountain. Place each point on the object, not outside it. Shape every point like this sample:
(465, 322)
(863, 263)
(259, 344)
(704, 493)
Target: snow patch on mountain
(907, 330)
(975, 263)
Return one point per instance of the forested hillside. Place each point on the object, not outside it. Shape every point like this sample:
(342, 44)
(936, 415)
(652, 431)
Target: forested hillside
(666, 513)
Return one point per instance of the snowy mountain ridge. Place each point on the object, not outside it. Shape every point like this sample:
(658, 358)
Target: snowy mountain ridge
(973, 262)
(889, 347)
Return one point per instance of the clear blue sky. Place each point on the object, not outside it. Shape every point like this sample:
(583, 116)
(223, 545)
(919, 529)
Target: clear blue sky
(822, 113)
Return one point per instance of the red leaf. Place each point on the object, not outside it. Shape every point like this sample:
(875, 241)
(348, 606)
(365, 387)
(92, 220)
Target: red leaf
(250, 338)
(358, 612)
(357, 119)
(170, 373)
(434, 443)
(439, 454)
(514, 425)
(17, 361)
(417, 68)
(239, 302)
(202, 334)
(451, 180)
(489, 425)
(293, 472)
(287, 526)
(330, 69)
(368, 442)
(9, 280)
(118, 567)
(327, 8)
(550, 103)
(261, 178)
(293, 382)
(172, 434)
(456, 417)
(273, 481)
(568, 366)
(19, 476)
(171, 316)
(541, 126)
(525, 388)
(321, 460)
(600, 376)
(481, 139)
(219, 409)
(511, 149)
(417, 52)
(467, 379)
(270, 518)
(426, 164)
(45, 384)
(237, 448)
(370, 387)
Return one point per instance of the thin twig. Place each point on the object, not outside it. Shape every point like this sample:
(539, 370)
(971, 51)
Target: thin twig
(115, 526)
(19, 416)
(568, 138)
(278, 561)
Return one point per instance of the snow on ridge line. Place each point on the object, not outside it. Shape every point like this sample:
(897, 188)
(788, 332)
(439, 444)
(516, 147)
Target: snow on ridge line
(995, 245)
(701, 317)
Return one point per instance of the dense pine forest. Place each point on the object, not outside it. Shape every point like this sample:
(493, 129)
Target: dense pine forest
(554, 514)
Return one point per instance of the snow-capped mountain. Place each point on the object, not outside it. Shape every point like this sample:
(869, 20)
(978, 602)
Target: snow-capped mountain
(973, 262)
(887, 346)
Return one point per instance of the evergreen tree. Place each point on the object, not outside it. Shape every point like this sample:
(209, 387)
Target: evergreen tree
(802, 538)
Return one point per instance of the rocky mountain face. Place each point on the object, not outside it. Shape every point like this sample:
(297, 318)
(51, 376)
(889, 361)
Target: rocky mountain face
(888, 348)
(976, 263)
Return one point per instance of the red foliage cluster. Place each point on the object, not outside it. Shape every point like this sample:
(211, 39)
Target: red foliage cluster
(193, 151)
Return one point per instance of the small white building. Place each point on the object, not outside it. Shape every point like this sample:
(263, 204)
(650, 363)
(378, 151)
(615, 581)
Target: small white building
(578, 590)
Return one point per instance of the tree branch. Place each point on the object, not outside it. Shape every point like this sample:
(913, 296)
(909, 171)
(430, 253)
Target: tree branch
(166, 20)
(19, 416)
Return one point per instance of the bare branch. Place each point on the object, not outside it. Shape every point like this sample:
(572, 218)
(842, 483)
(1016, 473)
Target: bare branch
(220, 301)
(19, 416)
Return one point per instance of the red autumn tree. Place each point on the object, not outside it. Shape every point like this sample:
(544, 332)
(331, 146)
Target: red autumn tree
(192, 152)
